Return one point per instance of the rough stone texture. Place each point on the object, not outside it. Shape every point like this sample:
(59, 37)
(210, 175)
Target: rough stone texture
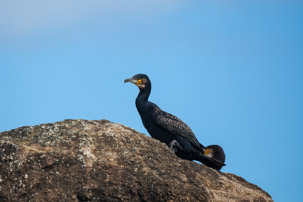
(80, 160)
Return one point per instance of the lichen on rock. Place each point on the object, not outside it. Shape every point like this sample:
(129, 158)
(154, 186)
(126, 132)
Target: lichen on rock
(80, 160)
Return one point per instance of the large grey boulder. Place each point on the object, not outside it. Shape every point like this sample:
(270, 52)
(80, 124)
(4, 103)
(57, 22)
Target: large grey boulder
(80, 160)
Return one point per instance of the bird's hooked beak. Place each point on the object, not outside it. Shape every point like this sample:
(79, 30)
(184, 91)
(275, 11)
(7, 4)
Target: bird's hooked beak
(134, 81)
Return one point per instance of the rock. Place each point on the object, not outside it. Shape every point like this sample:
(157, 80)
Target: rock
(80, 160)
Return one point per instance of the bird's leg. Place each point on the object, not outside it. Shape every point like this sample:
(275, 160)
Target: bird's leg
(174, 146)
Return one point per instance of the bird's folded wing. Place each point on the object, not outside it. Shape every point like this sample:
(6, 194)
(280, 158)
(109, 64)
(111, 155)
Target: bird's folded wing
(176, 126)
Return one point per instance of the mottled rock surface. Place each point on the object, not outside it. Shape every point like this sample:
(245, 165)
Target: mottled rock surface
(80, 160)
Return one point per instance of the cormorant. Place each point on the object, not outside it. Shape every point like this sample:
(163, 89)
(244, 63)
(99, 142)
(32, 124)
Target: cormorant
(215, 152)
(171, 130)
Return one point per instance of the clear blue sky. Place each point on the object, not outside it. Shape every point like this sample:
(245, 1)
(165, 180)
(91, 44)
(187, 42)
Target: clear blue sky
(232, 70)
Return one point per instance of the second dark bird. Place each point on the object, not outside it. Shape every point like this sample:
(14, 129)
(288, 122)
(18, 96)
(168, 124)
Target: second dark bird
(171, 130)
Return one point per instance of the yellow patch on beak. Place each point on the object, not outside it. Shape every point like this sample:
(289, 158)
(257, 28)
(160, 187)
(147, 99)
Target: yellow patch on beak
(206, 152)
(139, 82)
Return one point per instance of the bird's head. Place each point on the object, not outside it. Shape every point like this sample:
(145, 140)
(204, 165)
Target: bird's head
(215, 152)
(140, 80)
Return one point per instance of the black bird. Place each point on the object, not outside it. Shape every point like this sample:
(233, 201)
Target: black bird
(214, 152)
(169, 129)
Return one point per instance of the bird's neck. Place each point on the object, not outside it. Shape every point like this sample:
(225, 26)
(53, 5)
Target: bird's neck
(142, 99)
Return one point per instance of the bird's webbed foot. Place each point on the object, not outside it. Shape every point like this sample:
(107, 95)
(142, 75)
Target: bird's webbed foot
(174, 146)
